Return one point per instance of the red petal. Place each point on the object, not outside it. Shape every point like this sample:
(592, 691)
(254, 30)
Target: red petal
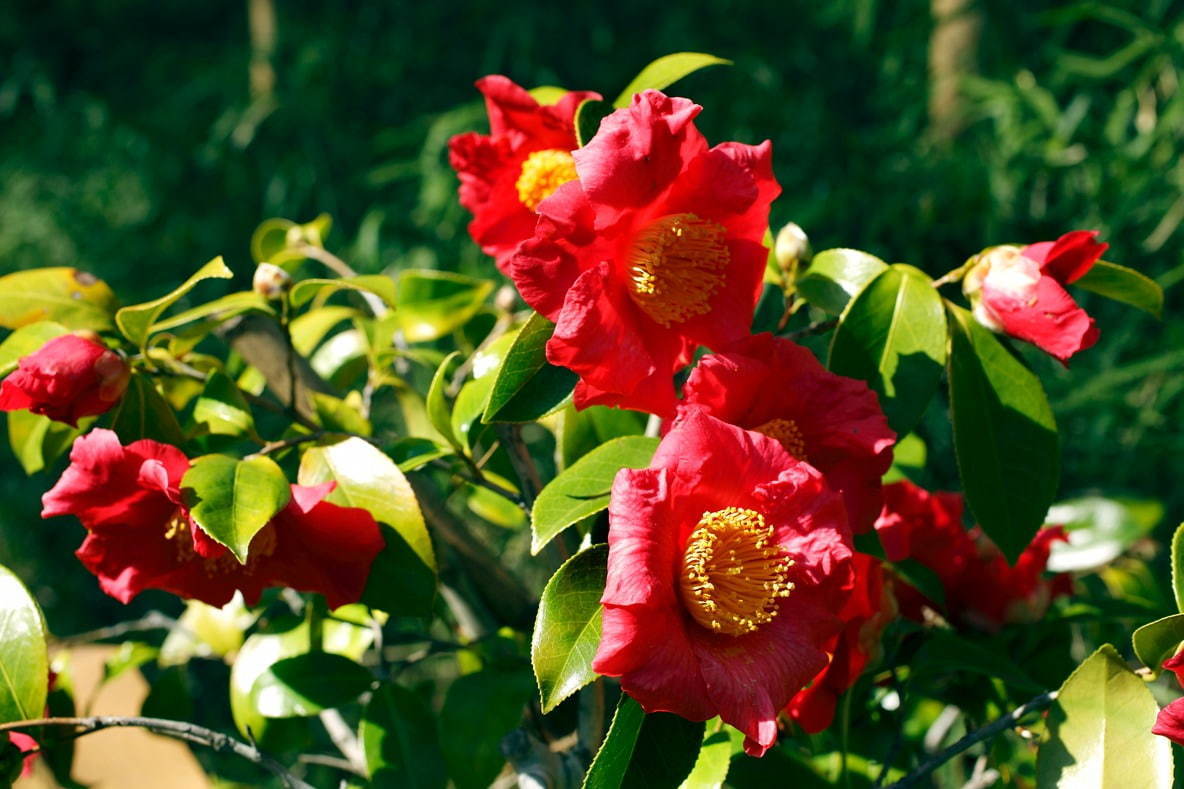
(644, 548)
(1054, 323)
(1069, 257)
(1170, 722)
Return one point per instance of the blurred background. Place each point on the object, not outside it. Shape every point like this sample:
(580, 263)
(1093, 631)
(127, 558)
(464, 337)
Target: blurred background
(139, 139)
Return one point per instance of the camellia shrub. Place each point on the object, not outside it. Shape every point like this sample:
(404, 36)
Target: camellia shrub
(650, 505)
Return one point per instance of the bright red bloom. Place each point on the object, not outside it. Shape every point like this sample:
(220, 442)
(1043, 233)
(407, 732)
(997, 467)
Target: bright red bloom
(727, 562)
(1019, 291)
(655, 250)
(67, 379)
(25, 744)
(526, 155)
(865, 614)
(140, 535)
(980, 587)
(1170, 720)
(776, 387)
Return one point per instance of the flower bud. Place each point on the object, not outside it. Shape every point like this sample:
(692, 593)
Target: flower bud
(792, 247)
(70, 377)
(270, 281)
(1011, 274)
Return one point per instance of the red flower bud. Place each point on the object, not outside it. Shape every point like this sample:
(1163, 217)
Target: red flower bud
(68, 378)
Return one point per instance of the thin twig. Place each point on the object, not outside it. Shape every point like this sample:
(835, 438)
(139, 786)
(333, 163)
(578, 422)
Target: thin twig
(973, 738)
(286, 443)
(481, 480)
(343, 269)
(814, 328)
(180, 730)
(153, 620)
(528, 475)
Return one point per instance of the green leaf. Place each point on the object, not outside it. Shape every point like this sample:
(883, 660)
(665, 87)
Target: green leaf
(835, 276)
(944, 653)
(1157, 641)
(1004, 436)
(223, 408)
(567, 628)
(1178, 566)
(526, 386)
(25, 341)
(645, 750)
(275, 240)
(309, 328)
(432, 304)
(220, 309)
(1099, 731)
(301, 686)
(908, 458)
(144, 413)
(437, 406)
(588, 117)
(479, 710)
(893, 335)
(711, 767)
(1125, 285)
(135, 322)
(494, 507)
(398, 736)
(73, 298)
(579, 432)
(924, 579)
(37, 441)
(665, 71)
(470, 400)
(378, 284)
(583, 489)
(547, 94)
(24, 656)
(1100, 529)
(129, 655)
(340, 415)
(231, 499)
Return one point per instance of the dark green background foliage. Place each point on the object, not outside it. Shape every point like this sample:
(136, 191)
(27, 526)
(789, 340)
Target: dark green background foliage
(131, 145)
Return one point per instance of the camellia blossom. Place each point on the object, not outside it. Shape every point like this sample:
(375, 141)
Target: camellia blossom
(1170, 720)
(776, 387)
(728, 562)
(141, 536)
(25, 745)
(68, 378)
(865, 614)
(506, 174)
(1019, 291)
(656, 249)
(980, 587)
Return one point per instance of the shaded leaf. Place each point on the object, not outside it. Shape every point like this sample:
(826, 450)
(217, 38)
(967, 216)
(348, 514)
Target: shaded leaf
(479, 709)
(645, 750)
(222, 407)
(1157, 641)
(1125, 285)
(340, 415)
(588, 117)
(567, 628)
(711, 766)
(437, 406)
(398, 734)
(303, 685)
(221, 309)
(75, 299)
(665, 71)
(144, 413)
(1178, 566)
(526, 386)
(231, 499)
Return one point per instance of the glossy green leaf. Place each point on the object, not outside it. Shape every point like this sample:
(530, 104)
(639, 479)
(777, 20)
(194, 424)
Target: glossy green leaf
(1157, 641)
(665, 71)
(1125, 285)
(583, 489)
(1099, 731)
(835, 276)
(588, 117)
(645, 750)
(1178, 566)
(76, 299)
(309, 328)
(135, 322)
(470, 400)
(301, 686)
(339, 415)
(222, 407)
(494, 507)
(607, 770)
(437, 406)
(567, 628)
(276, 240)
(231, 499)
(580, 432)
(398, 734)
(1005, 437)
(221, 309)
(1099, 530)
(479, 710)
(908, 458)
(526, 386)
(711, 766)
(144, 413)
(37, 441)
(24, 656)
(432, 304)
(893, 335)
(205, 631)
(379, 285)
(27, 340)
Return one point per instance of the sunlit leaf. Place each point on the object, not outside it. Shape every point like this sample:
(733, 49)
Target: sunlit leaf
(526, 386)
(24, 656)
(37, 441)
(379, 285)
(222, 407)
(304, 685)
(25, 341)
(231, 499)
(1125, 285)
(835, 276)
(1157, 641)
(136, 321)
(434, 303)
(665, 71)
(567, 628)
(73, 298)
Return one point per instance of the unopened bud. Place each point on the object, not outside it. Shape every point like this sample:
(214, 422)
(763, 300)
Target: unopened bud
(113, 376)
(506, 298)
(271, 282)
(792, 247)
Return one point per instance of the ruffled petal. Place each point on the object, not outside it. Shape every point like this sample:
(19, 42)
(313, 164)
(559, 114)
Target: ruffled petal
(1069, 257)
(1052, 321)
(1170, 722)
(643, 540)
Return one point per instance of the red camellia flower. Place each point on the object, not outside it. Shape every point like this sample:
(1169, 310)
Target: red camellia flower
(655, 250)
(980, 587)
(728, 561)
(140, 535)
(865, 614)
(1020, 291)
(778, 388)
(1170, 721)
(526, 156)
(25, 745)
(68, 378)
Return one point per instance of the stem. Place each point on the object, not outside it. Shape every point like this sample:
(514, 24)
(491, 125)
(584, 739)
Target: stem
(342, 269)
(314, 609)
(985, 733)
(276, 446)
(814, 328)
(153, 620)
(188, 732)
(523, 463)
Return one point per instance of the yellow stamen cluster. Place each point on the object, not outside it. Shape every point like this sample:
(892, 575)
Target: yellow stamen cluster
(733, 574)
(176, 531)
(677, 264)
(542, 173)
(788, 434)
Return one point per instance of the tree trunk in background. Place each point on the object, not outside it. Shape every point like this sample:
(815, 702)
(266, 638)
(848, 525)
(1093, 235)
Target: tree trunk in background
(953, 50)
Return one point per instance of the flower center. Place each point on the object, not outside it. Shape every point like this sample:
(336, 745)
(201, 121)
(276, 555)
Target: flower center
(176, 531)
(677, 263)
(542, 173)
(733, 574)
(788, 434)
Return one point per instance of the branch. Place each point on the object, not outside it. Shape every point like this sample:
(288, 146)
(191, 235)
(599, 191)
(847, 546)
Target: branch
(985, 733)
(523, 463)
(179, 730)
(153, 620)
